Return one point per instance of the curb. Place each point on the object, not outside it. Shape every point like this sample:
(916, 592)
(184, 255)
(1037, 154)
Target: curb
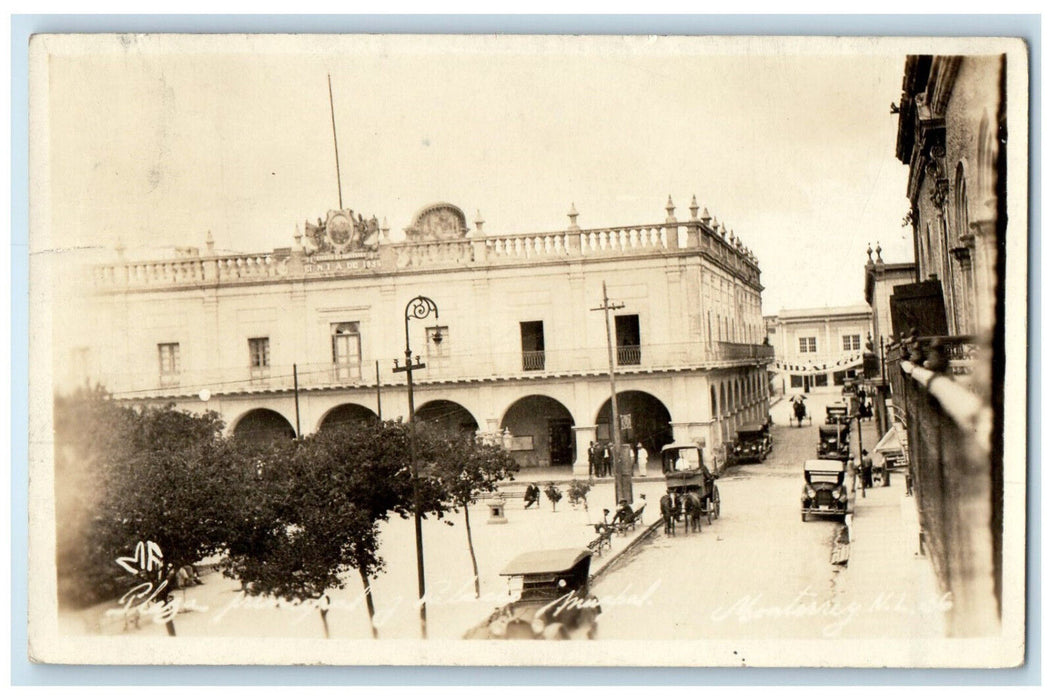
(644, 534)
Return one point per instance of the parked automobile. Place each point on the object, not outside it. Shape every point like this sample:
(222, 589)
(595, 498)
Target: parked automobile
(553, 602)
(825, 490)
(834, 442)
(753, 443)
(838, 413)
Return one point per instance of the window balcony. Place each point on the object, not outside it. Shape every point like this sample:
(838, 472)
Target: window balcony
(629, 355)
(532, 360)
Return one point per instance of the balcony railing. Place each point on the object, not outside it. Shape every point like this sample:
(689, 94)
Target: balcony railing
(454, 368)
(629, 355)
(532, 360)
(956, 482)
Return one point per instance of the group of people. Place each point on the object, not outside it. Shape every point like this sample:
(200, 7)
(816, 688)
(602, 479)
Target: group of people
(865, 406)
(601, 458)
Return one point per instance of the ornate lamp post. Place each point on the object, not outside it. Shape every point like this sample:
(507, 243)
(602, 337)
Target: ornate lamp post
(419, 308)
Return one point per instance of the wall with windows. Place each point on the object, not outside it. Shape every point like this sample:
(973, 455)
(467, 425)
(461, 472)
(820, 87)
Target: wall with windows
(817, 348)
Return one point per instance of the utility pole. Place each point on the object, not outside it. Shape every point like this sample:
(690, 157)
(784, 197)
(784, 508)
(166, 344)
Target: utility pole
(622, 481)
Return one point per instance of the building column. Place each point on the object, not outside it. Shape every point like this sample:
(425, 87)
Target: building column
(583, 435)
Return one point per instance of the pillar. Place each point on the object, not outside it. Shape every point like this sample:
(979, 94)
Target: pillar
(583, 435)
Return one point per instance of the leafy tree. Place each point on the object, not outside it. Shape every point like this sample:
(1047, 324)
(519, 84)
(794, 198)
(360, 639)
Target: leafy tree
(313, 513)
(466, 468)
(159, 474)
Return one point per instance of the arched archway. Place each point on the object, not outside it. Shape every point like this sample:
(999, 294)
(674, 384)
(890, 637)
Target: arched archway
(447, 415)
(649, 421)
(713, 409)
(262, 426)
(723, 398)
(543, 428)
(346, 413)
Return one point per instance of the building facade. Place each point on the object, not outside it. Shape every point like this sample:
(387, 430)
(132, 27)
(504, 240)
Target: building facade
(292, 341)
(818, 347)
(947, 387)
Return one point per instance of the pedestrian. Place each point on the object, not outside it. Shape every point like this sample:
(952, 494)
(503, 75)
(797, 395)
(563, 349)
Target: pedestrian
(606, 459)
(532, 497)
(867, 470)
(591, 460)
(641, 459)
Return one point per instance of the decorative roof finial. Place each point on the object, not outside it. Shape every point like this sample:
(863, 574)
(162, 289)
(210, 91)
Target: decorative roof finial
(693, 208)
(705, 218)
(210, 244)
(479, 220)
(573, 217)
(723, 230)
(869, 252)
(120, 248)
(879, 259)
(385, 230)
(671, 209)
(298, 237)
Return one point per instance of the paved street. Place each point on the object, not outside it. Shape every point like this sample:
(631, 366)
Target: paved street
(759, 572)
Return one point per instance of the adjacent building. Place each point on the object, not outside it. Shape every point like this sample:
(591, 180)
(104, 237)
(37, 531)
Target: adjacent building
(947, 376)
(297, 339)
(818, 347)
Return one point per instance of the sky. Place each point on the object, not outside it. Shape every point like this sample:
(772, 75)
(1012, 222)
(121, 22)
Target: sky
(155, 141)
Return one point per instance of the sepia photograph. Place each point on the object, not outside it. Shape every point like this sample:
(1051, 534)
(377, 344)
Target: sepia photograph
(528, 350)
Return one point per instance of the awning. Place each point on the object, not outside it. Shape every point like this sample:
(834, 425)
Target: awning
(891, 442)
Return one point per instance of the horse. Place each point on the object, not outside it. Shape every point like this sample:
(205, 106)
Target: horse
(668, 514)
(800, 411)
(693, 510)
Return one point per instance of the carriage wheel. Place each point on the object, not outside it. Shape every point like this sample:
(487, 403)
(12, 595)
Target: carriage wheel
(716, 501)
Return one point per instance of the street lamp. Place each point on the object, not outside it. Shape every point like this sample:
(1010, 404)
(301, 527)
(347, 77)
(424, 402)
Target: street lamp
(419, 308)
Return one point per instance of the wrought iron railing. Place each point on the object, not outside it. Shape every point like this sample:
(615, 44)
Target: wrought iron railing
(629, 354)
(532, 360)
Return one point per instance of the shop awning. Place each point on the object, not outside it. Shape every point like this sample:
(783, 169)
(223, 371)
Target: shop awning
(891, 442)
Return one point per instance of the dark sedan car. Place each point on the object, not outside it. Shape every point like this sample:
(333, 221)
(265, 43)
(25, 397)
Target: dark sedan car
(825, 491)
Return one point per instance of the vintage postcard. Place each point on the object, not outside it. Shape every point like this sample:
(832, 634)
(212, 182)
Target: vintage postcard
(528, 350)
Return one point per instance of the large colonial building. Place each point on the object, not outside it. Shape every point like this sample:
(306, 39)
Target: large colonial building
(301, 338)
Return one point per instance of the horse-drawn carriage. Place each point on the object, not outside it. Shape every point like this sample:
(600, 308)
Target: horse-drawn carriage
(753, 443)
(834, 442)
(692, 491)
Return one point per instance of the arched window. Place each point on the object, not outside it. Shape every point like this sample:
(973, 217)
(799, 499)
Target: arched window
(723, 398)
(712, 393)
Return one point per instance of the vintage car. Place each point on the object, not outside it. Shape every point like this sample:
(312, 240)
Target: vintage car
(825, 490)
(753, 444)
(553, 602)
(834, 442)
(685, 472)
(838, 413)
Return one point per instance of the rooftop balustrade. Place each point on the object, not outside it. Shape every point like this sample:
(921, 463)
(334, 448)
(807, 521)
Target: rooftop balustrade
(475, 251)
(488, 366)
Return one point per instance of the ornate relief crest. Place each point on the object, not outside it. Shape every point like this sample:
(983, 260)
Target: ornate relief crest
(437, 222)
(342, 233)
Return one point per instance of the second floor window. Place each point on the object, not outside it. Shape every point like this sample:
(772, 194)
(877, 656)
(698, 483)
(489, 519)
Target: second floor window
(809, 344)
(168, 357)
(628, 345)
(259, 354)
(532, 334)
(852, 342)
(346, 350)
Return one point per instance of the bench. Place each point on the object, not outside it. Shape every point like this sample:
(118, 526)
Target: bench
(621, 527)
(603, 532)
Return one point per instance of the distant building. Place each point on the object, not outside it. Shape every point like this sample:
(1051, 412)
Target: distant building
(302, 338)
(818, 347)
(881, 279)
